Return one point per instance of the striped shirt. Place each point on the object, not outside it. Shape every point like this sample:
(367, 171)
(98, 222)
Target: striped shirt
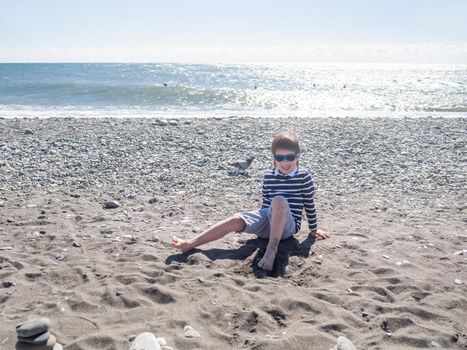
(297, 187)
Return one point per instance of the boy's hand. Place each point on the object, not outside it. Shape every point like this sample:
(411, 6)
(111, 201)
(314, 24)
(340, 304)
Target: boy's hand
(320, 234)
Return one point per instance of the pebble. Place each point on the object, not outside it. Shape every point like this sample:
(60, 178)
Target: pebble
(156, 238)
(458, 281)
(118, 293)
(343, 343)
(59, 257)
(190, 332)
(42, 338)
(111, 205)
(28, 132)
(145, 341)
(153, 200)
(76, 244)
(160, 122)
(6, 248)
(33, 327)
(386, 256)
(461, 252)
(8, 284)
(435, 344)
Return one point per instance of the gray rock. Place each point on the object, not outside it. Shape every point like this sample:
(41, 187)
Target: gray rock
(6, 248)
(76, 244)
(145, 341)
(190, 332)
(461, 252)
(111, 205)
(8, 284)
(343, 343)
(33, 327)
(28, 132)
(153, 200)
(37, 339)
(435, 344)
(50, 345)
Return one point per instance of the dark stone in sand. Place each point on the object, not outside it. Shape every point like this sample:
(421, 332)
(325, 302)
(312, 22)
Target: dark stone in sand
(51, 344)
(111, 205)
(28, 132)
(33, 327)
(38, 339)
(76, 244)
(8, 284)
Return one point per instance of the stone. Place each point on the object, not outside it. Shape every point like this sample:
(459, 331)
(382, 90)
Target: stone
(145, 341)
(76, 244)
(435, 344)
(6, 248)
(458, 281)
(461, 252)
(33, 327)
(190, 332)
(386, 256)
(156, 238)
(343, 343)
(38, 339)
(50, 345)
(153, 200)
(59, 257)
(28, 132)
(8, 284)
(111, 205)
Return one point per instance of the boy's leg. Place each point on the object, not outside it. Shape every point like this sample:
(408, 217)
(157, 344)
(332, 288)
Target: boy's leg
(218, 230)
(278, 221)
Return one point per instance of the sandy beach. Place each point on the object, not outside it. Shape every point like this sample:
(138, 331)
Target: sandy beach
(392, 191)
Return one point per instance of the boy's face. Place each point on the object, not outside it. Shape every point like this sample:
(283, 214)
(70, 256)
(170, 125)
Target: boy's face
(286, 166)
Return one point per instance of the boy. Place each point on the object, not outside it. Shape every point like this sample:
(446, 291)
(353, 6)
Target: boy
(287, 190)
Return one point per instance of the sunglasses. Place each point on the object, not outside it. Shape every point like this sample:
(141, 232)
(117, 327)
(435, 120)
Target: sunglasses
(281, 157)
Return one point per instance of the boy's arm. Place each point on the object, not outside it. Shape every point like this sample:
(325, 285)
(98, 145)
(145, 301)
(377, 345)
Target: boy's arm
(309, 203)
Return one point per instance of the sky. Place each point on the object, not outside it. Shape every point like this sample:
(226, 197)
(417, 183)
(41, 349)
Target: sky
(216, 31)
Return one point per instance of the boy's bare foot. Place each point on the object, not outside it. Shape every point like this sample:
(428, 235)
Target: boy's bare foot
(267, 261)
(182, 244)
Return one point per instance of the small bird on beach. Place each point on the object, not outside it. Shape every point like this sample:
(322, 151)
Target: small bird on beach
(242, 164)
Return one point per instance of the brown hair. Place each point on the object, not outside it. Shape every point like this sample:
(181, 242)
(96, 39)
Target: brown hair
(285, 140)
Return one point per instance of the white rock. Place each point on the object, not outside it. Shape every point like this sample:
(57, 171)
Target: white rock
(191, 333)
(145, 341)
(435, 344)
(386, 256)
(162, 341)
(457, 281)
(344, 343)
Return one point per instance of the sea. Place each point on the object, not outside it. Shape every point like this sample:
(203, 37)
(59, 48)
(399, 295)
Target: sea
(256, 90)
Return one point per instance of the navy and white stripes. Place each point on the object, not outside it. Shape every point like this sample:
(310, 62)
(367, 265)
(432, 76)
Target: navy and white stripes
(298, 189)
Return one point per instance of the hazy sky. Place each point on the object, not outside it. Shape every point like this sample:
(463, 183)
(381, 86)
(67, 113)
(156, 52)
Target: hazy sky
(236, 30)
